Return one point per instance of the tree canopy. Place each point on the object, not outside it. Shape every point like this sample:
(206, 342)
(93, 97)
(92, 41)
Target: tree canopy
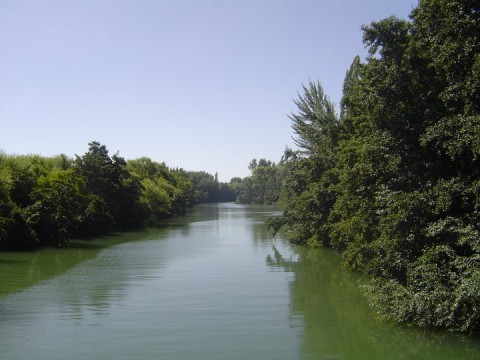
(47, 201)
(392, 183)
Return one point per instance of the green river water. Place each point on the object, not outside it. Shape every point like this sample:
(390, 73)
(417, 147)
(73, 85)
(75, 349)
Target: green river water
(210, 285)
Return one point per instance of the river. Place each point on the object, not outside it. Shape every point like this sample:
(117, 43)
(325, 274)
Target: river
(210, 285)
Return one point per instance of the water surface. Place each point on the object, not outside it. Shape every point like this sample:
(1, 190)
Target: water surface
(211, 285)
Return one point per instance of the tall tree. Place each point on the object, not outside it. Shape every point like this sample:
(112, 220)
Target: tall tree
(309, 178)
(398, 191)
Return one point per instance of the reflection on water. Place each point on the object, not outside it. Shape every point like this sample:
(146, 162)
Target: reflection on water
(337, 323)
(211, 285)
(20, 270)
(195, 289)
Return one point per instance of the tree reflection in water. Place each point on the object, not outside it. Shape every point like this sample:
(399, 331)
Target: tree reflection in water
(337, 322)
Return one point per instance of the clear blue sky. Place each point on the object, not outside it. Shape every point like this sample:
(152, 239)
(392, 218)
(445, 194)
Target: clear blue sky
(199, 84)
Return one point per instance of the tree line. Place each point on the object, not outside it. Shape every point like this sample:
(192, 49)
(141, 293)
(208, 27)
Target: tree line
(45, 201)
(392, 181)
(263, 186)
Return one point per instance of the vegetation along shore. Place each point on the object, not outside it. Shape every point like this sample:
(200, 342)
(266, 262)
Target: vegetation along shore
(390, 180)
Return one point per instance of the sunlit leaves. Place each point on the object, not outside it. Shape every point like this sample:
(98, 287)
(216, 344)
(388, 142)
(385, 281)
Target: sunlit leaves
(47, 201)
(315, 122)
(398, 191)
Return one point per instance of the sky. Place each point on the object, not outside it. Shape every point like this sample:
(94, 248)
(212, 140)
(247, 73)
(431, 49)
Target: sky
(203, 85)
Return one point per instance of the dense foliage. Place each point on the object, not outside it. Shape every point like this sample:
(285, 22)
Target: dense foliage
(208, 189)
(393, 181)
(47, 201)
(263, 186)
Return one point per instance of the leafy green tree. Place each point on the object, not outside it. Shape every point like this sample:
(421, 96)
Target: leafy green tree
(445, 267)
(15, 232)
(59, 199)
(47, 201)
(447, 33)
(156, 199)
(208, 189)
(396, 188)
(263, 186)
(309, 178)
(204, 184)
(146, 168)
(315, 123)
(19, 188)
(184, 195)
(164, 192)
(112, 191)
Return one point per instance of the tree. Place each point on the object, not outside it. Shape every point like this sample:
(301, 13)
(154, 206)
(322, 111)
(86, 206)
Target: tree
(112, 191)
(164, 192)
(308, 178)
(315, 124)
(59, 199)
(394, 183)
(263, 186)
(208, 189)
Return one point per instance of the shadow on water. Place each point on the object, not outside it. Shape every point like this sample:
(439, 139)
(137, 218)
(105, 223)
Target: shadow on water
(11, 262)
(94, 275)
(338, 324)
(161, 287)
(21, 270)
(84, 245)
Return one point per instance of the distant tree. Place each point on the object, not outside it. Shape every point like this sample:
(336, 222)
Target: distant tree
(262, 187)
(208, 188)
